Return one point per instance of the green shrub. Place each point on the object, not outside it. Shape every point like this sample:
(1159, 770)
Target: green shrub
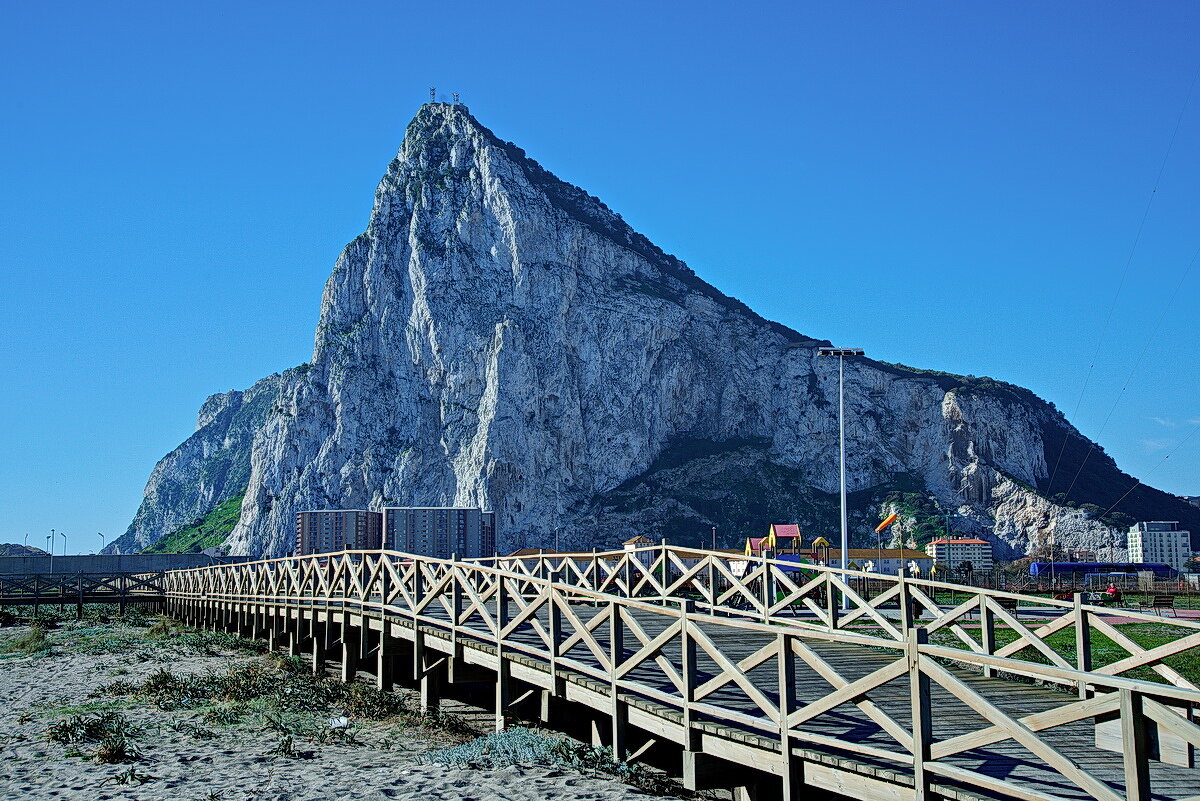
(91, 728)
(116, 748)
(520, 746)
(164, 627)
(31, 642)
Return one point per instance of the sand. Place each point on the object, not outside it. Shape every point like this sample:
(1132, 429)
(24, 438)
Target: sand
(237, 765)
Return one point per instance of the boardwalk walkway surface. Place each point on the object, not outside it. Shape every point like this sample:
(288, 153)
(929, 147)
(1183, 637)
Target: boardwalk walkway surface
(753, 672)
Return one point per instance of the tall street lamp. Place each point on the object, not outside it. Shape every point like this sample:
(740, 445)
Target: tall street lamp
(841, 354)
(100, 534)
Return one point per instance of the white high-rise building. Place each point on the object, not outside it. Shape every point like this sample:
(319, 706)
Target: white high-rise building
(1160, 542)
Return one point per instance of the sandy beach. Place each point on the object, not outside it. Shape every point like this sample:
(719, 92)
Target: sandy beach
(209, 749)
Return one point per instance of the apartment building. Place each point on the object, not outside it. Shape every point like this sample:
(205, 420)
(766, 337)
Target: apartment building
(953, 553)
(332, 530)
(440, 532)
(1160, 542)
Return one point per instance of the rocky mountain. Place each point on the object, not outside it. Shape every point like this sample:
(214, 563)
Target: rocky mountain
(499, 338)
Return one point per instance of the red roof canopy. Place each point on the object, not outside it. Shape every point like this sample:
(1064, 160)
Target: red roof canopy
(971, 541)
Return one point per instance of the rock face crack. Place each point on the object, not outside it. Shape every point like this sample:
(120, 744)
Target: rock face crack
(500, 338)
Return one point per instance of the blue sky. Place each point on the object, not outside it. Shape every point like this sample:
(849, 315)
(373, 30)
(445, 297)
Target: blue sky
(951, 185)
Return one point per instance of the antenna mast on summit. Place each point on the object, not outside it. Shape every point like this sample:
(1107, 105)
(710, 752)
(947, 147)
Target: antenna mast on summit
(433, 94)
(455, 96)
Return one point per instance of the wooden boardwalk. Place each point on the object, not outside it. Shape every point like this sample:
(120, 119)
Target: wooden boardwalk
(77, 589)
(752, 673)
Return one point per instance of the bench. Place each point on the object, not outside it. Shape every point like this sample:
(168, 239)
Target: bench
(1162, 603)
(1007, 604)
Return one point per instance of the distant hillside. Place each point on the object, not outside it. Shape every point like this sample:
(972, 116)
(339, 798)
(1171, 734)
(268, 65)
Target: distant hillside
(12, 549)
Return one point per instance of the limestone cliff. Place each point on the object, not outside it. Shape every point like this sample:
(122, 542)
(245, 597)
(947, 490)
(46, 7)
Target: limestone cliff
(499, 338)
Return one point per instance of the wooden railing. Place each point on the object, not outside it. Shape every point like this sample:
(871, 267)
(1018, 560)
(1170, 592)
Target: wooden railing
(80, 588)
(649, 624)
(833, 599)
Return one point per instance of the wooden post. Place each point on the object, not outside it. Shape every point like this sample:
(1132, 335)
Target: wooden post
(1083, 642)
(687, 647)
(905, 598)
(418, 588)
(663, 567)
(427, 676)
(791, 768)
(831, 603)
(384, 662)
(618, 711)
(502, 664)
(383, 586)
(712, 584)
(922, 716)
(455, 608)
(79, 602)
(987, 632)
(553, 632)
(768, 590)
(319, 632)
(1135, 746)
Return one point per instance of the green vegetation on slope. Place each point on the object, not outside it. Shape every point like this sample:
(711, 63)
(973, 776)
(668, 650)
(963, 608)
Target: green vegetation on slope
(203, 532)
(908, 497)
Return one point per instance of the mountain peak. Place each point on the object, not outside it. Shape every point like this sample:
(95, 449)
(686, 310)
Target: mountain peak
(435, 130)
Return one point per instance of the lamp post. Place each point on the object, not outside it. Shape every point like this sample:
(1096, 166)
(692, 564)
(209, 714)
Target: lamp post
(841, 354)
(101, 536)
(50, 548)
(64, 536)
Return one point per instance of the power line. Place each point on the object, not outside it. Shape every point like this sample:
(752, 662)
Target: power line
(1137, 362)
(1121, 284)
(1151, 471)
